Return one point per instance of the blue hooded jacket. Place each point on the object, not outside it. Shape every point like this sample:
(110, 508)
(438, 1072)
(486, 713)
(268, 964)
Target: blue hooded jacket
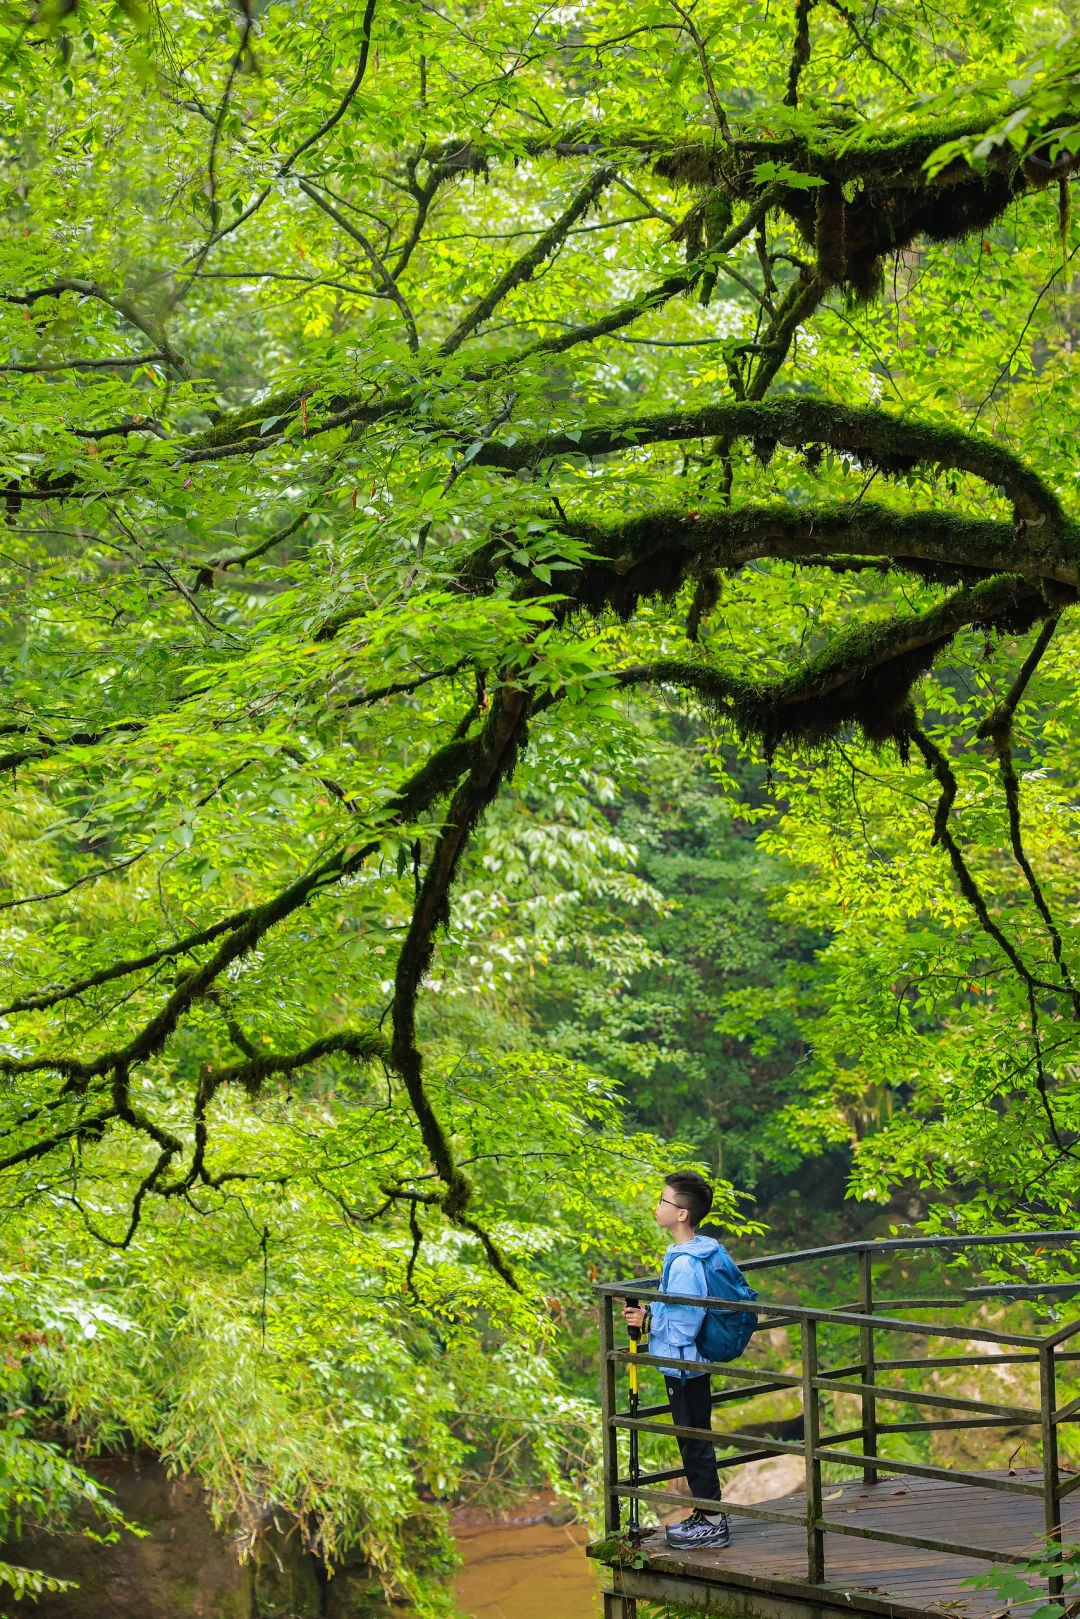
(673, 1328)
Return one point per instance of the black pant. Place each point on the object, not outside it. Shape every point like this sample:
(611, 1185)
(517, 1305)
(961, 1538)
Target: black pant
(691, 1407)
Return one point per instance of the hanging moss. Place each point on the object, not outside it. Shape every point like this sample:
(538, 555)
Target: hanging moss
(830, 234)
(894, 201)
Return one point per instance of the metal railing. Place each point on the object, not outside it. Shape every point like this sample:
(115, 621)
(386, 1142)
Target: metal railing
(813, 1381)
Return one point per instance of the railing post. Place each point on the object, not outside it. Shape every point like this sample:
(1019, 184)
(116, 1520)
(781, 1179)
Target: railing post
(1051, 1499)
(612, 1513)
(815, 1538)
(866, 1354)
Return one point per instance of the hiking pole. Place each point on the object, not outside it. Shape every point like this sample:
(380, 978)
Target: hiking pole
(634, 1528)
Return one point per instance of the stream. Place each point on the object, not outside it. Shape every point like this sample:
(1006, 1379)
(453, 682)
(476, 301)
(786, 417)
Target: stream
(522, 1570)
(528, 1565)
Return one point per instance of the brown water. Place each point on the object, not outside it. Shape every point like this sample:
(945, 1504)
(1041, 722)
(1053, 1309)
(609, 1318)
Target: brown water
(526, 1569)
(526, 1566)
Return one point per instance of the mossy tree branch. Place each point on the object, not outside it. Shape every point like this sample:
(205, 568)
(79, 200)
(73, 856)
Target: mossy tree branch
(893, 444)
(493, 762)
(863, 676)
(658, 552)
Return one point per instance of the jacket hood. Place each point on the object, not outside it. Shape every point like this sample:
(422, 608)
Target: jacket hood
(699, 1247)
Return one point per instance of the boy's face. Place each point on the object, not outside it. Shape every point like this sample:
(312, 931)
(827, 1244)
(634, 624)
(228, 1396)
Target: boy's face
(670, 1213)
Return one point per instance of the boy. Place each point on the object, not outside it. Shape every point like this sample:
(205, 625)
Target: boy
(673, 1328)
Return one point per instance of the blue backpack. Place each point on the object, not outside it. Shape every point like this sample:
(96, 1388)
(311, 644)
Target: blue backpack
(725, 1333)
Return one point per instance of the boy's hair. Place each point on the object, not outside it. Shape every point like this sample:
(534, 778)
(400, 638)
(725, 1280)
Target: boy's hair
(694, 1192)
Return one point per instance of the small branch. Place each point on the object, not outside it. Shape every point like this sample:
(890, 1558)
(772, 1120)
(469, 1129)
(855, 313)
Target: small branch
(400, 687)
(998, 728)
(842, 11)
(239, 559)
(646, 202)
(123, 969)
(38, 1149)
(390, 286)
(524, 267)
(943, 773)
(699, 45)
(241, 51)
(58, 893)
(285, 166)
(417, 1239)
(343, 105)
(123, 307)
(122, 360)
(1043, 290)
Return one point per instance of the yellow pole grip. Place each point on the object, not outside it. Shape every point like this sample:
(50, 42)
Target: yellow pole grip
(633, 1367)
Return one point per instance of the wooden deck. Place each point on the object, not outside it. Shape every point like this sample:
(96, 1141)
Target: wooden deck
(762, 1574)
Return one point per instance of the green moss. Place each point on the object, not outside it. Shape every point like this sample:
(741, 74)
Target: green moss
(863, 677)
(892, 444)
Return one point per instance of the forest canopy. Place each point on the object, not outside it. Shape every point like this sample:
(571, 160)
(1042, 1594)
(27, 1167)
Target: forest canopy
(476, 478)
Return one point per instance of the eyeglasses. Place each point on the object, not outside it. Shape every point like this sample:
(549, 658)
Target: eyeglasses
(672, 1205)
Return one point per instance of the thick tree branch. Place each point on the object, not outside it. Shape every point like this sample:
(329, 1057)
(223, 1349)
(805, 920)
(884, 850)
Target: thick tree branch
(891, 443)
(116, 361)
(862, 676)
(656, 552)
(493, 760)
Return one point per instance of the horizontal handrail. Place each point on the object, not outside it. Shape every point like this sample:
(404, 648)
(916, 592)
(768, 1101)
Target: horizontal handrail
(893, 1537)
(787, 1380)
(947, 1475)
(735, 1509)
(741, 1441)
(844, 1318)
(895, 1245)
(665, 1498)
(882, 1391)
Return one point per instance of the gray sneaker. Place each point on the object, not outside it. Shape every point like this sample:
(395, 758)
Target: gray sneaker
(696, 1533)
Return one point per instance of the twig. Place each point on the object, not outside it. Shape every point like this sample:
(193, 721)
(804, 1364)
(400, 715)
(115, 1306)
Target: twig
(390, 286)
(699, 44)
(524, 267)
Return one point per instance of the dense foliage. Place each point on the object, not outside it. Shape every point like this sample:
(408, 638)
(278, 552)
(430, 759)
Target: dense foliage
(403, 409)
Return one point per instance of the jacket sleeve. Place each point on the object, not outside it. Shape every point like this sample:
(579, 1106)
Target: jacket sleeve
(680, 1324)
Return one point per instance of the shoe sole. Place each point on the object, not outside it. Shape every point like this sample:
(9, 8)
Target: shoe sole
(699, 1545)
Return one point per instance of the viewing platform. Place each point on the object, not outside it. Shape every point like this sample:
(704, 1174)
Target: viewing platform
(900, 1534)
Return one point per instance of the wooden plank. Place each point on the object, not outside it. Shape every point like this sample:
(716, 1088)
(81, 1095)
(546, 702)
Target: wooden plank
(891, 1537)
